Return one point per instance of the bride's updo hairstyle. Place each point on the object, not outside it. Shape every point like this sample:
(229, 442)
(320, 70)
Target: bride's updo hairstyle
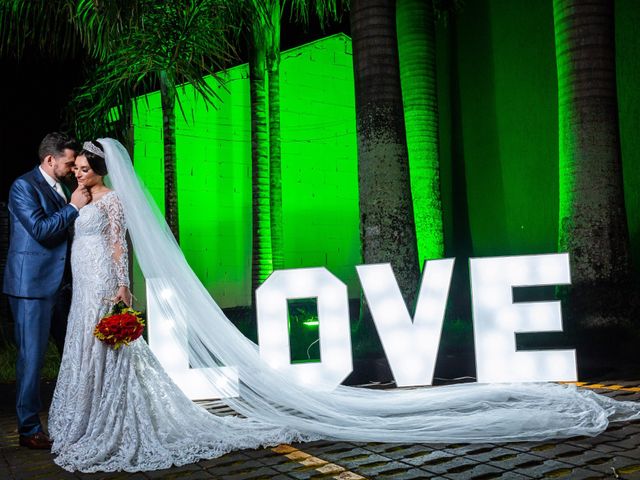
(94, 153)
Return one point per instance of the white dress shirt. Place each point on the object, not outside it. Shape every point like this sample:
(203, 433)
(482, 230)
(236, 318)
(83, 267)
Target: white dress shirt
(57, 186)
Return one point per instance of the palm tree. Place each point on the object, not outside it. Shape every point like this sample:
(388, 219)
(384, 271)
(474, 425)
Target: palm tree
(592, 220)
(163, 44)
(275, 157)
(263, 34)
(416, 49)
(261, 258)
(387, 228)
(139, 45)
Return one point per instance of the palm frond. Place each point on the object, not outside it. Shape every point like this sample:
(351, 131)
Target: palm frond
(325, 10)
(184, 42)
(100, 23)
(45, 24)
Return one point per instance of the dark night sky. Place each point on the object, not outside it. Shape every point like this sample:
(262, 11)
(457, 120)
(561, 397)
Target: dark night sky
(36, 89)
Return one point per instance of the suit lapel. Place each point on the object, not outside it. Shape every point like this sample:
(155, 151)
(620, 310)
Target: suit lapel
(46, 189)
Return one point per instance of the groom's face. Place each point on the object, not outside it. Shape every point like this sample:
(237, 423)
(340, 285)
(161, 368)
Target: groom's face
(63, 164)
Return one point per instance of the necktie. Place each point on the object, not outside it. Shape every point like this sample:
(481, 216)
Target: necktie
(60, 191)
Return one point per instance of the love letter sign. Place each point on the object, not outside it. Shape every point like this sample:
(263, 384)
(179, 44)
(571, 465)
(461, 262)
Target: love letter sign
(410, 343)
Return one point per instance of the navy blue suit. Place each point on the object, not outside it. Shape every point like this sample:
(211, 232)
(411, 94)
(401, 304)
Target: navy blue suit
(35, 278)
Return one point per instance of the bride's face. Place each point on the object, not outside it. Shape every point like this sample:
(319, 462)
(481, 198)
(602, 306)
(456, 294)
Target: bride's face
(84, 174)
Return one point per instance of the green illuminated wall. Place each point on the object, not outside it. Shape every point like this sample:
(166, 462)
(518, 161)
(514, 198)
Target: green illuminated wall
(497, 97)
(507, 121)
(320, 197)
(628, 76)
(508, 125)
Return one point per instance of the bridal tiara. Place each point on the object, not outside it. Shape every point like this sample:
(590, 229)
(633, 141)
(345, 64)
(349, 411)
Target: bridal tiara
(90, 147)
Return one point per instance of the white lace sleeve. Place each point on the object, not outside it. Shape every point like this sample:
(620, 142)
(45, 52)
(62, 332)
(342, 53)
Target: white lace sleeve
(117, 238)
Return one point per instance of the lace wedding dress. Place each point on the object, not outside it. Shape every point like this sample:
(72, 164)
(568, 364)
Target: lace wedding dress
(117, 409)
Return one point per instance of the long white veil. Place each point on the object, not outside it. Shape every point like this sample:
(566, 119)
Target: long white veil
(459, 413)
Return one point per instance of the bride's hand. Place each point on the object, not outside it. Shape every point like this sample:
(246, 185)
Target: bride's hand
(123, 295)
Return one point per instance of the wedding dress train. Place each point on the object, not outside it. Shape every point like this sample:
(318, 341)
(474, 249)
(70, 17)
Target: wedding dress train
(119, 410)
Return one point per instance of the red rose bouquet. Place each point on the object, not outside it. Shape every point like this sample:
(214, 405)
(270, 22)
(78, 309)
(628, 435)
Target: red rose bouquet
(121, 327)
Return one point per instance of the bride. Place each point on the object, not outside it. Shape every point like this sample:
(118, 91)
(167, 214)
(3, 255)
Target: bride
(118, 409)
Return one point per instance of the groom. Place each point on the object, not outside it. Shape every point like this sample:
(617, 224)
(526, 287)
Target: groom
(37, 270)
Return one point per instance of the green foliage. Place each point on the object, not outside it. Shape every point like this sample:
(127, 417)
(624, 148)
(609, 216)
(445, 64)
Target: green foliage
(8, 355)
(141, 42)
(132, 43)
(45, 24)
(324, 10)
(99, 23)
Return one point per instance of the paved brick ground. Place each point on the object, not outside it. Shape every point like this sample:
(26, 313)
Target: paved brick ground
(613, 454)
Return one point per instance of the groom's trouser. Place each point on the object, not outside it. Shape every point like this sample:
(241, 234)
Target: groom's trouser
(32, 323)
(60, 315)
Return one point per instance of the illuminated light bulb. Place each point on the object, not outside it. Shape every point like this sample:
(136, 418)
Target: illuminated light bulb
(390, 310)
(272, 305)
(517, 272)
(487, 274)
(431, 307)
(276, 363)
(173, 356)
(491, 297)
(540, 312)
(527, 367)
(494, 371)
(497, 318)
(396, 341)
(406, 365)
(408, 340)
(506, 317)
(167, 326)
(166, 293)
(331, 298)
(331, 329)
(274, 339)
(497, 343)
(549, 267)
(333, 360)
(333, 318)
(222, 382)
(303, 282)
(169, 346)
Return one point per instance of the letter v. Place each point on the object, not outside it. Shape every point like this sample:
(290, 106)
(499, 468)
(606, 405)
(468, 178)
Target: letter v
(411, 346)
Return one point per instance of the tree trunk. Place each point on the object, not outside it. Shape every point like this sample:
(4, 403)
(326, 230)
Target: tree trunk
(127, 124)
(261, 264)
(387, 229)
(592, 220)
(275, 162)
(417, 53)
(168, 100)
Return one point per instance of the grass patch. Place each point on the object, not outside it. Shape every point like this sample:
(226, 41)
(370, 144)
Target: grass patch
(8, 354)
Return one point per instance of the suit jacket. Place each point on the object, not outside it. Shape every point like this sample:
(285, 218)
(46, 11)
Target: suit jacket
(39, 237)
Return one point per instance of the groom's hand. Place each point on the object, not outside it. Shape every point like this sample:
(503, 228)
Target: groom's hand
(80, 197)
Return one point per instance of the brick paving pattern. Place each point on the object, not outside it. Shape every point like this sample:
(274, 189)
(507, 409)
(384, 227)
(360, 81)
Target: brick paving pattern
(615, 454)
